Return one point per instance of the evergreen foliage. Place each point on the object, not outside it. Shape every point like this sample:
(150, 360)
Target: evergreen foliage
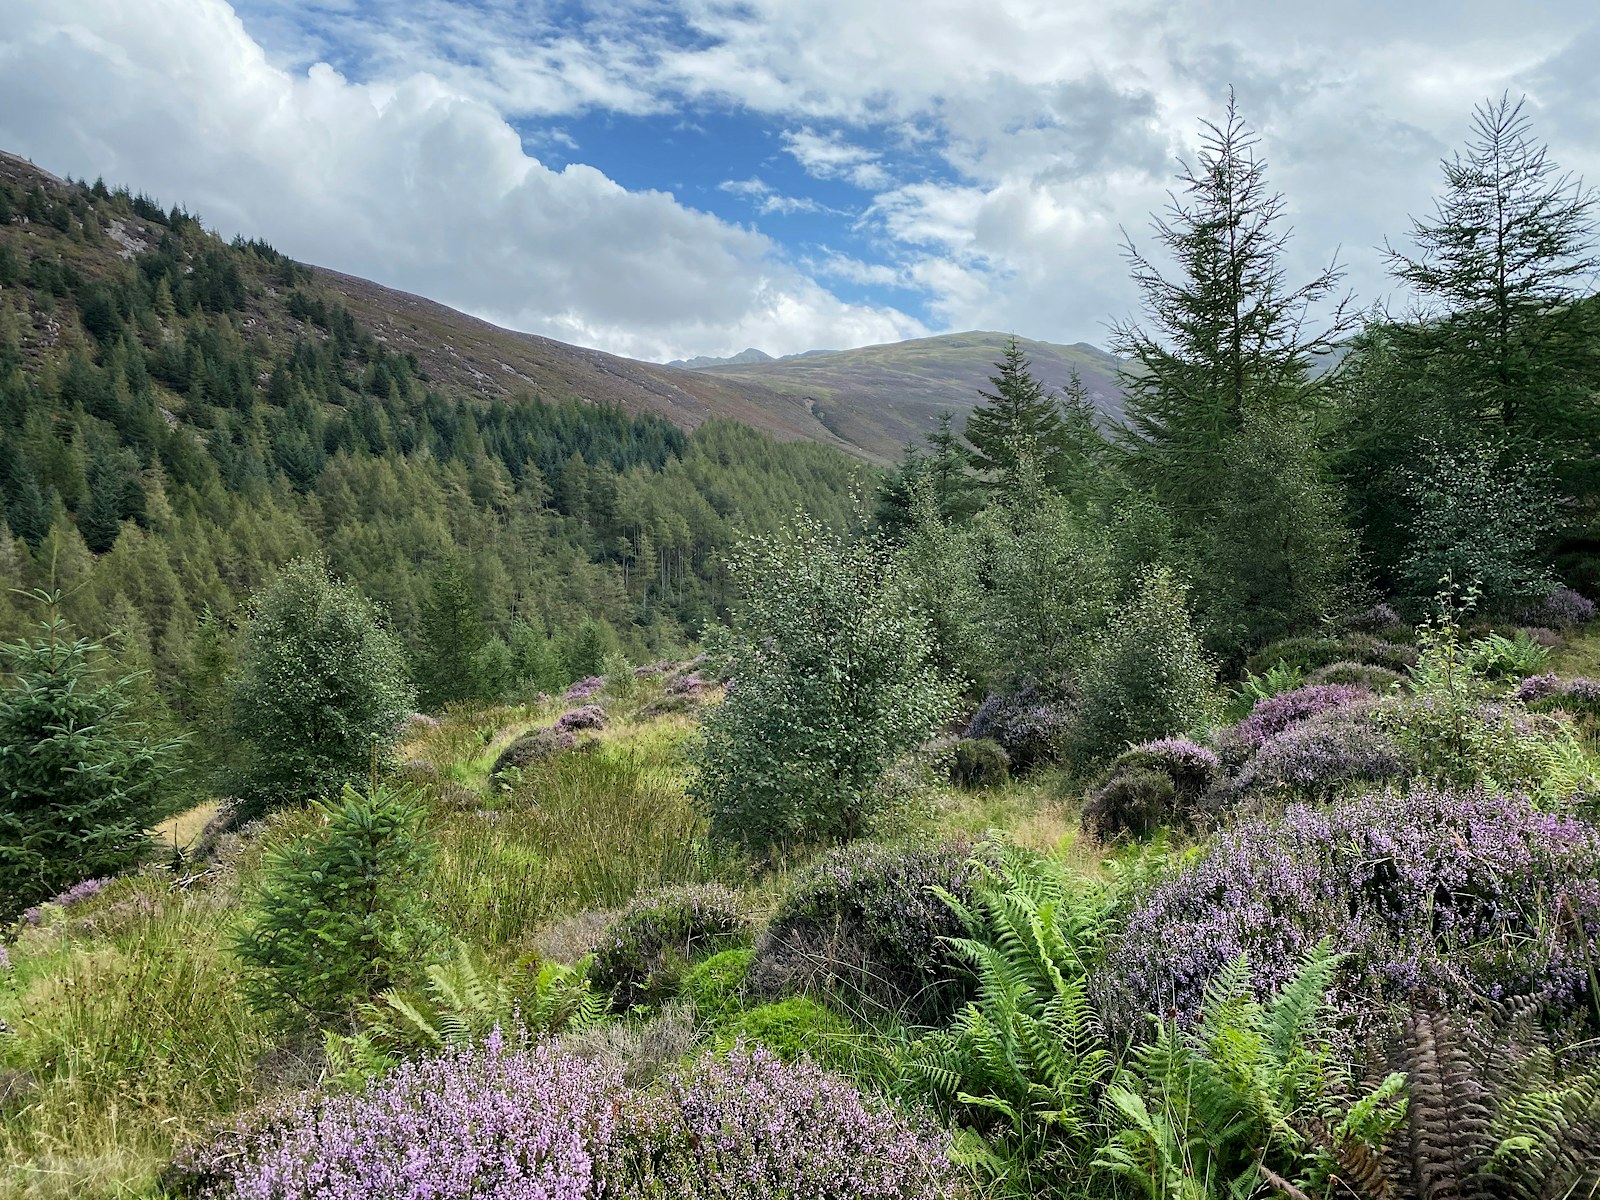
(81, 782)
(334, 918)
(1018, 424)
(453, 641)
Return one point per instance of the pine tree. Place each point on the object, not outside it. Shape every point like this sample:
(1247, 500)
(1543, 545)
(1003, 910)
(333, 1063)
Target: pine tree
(1018, 423)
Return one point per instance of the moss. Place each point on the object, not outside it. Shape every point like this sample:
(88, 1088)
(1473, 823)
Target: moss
(794, 1028)
(713, 985)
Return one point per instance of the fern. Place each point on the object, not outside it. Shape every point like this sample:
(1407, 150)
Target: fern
(464, 999)
(1025, 1062)
(1494, 1112)
(1248, 1100)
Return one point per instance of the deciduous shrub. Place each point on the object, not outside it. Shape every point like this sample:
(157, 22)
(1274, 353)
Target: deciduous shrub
(863, 924)
(833, 679)
(1437, 897)
(334, 918)
(322, 694)
(978, 763)
(1028, 723)
(1149, 677)
(643, 953)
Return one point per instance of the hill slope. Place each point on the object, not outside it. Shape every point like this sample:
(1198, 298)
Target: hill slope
(878, 398)
(870, 401)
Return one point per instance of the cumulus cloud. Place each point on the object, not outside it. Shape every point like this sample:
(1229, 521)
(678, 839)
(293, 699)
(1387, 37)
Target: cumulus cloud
(1002, 147)
(406, 181)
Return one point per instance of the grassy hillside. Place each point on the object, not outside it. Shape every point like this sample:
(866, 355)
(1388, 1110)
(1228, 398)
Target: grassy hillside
(879, 398)
(180, 416)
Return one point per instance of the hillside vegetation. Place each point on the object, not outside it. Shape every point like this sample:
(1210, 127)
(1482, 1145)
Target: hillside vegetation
(1202, 809)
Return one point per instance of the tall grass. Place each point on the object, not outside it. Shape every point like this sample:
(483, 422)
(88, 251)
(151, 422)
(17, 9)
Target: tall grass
(128, 1036)
(585, 829)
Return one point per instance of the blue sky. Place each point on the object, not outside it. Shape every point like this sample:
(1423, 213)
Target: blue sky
(664, 178)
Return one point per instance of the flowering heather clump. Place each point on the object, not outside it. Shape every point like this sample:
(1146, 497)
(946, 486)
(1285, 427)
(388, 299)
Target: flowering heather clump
(590, 716)
(499, 1122)
(488, 1122)
(1579, 696)
(1537, 687)
(1436, 897)
(1273, 715)
(75, 894)
(749, 1126)
(531, 747)
(640, 955)
(1151, 785)
(1379, 680)
(1371, 620)
(863, 922)
(1563, 608)
(585, 688)
(1028, 724)
(1320, 755)
(1192, 767)
(686, 685)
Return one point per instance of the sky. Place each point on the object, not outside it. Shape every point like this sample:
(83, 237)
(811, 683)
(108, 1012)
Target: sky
(667, 178)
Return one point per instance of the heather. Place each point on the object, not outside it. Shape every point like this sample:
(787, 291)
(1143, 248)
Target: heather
(502, 1120)
(1436, 897)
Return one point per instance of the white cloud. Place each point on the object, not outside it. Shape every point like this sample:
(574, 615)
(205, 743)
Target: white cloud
(1004, 144)
(407, 182)
(829, 156)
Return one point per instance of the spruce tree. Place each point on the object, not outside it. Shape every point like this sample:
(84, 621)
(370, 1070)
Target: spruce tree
(452, 638)
(1018, 422)
(80, 783)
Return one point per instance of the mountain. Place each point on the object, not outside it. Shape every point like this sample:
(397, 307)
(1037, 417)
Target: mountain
(878, 398)
(179, 416)
(869, 401)
(748, 355)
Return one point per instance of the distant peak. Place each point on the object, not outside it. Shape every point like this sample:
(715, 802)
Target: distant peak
(748, 355)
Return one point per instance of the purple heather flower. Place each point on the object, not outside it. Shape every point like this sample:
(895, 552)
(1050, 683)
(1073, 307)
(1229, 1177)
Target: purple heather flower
(75, 894)
(494, 1122)
(1563, 608)
(1436, 897)
(590, 716)
(1276, 713)
(585, 688)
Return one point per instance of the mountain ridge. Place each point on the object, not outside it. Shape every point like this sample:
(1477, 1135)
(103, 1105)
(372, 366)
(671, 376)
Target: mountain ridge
(868, 401)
